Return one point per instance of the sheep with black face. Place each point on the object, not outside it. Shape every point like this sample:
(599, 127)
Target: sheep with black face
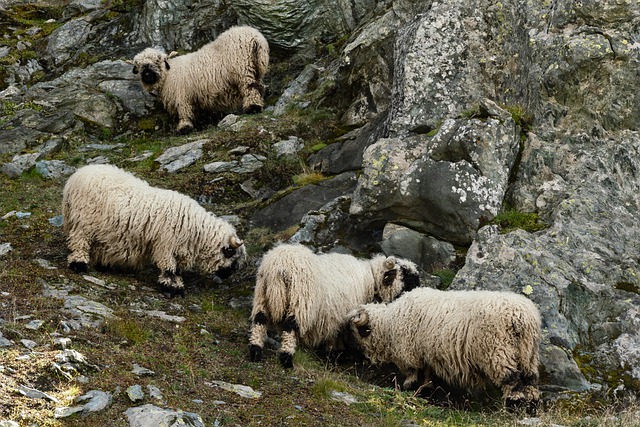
(113, 218)
(306, 296)
(466, 338)
(223, 76)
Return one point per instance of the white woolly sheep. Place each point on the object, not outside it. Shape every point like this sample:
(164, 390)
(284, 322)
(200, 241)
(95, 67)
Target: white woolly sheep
(465, 338)
(307, 296)
(113, 218)
(224, 75)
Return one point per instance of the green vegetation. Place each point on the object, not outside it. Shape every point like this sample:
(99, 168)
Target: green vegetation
(446, 276)
(510, 219)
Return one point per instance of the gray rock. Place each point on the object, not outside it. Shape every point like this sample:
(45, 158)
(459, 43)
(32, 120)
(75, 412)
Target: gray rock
(228, 121)
(155, 393)
(140, 371)
(240, 389)
(135, 393)
(289, 210)
(288, 147)
(57, 221)
(341, 396)
(152, 416)
(164, 316)
(4, 342)
(443, 185)
(29, 344)
(5, 248)
(97, 401)
(19, 164)
(219, 167)
(64, 41)
(34, 324)
(296, 89)
(6, 423)
(176, 158)
(34, 393)
(54, 169)
(427, 252)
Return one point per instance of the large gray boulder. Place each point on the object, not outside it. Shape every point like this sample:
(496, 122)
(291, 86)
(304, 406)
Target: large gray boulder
(446, 184)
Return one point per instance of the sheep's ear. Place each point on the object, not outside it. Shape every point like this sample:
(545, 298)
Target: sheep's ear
(389, 263)
(135, 70)
(361, 322)
(234, 242)
(166, 64)
(361, 318)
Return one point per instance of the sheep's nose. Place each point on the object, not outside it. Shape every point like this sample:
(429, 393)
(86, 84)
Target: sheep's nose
(148, 76)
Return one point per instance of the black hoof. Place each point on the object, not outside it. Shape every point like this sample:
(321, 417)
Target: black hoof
(253, 109)
(184, 130)
(286, 360)
(255, 353)
(79, 267)
(172, 292)
(517, 405)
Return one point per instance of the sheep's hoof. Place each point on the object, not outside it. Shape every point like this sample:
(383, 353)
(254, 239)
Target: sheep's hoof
(517, 405)
(255, 353)
(286, 360)
(184, 129)
(172, 292)
(253, 109)
(79, 266)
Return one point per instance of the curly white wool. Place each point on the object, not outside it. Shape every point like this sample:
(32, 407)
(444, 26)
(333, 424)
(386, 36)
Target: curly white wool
(463, 337)
(113, 218)
(224, 75)
(308, 295)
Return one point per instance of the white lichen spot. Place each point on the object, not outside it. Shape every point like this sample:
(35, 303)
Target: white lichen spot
(527, 290)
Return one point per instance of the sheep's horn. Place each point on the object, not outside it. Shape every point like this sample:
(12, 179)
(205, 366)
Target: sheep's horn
(361, 319)
(389, 263)
(234, 242)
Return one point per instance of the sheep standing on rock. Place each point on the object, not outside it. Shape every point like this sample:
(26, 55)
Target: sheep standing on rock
(222, 76)
(463, 337)
(113, 218)
(307, 296)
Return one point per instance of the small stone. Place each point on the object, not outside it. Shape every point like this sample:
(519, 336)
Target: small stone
(135, 393)
(164, 316)
(45, 264)
(62, 343)
(343, 397)
(139, 370)
(29, 344)
(239, 389)
(34, 394)
(5, 248)
(66, 411)
(57, 221)
(155, 393)
(34, 324)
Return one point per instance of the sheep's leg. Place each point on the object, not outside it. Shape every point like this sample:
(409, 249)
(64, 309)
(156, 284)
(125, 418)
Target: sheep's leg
(80, 247)
(258, 332)
(185, 116)
(290, 329)
(171, 283)
(519, 388)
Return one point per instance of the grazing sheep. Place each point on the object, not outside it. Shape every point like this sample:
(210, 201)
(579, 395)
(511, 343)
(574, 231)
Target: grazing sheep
(113, 218)
(466, 338)
(225, 75)
(307, 296)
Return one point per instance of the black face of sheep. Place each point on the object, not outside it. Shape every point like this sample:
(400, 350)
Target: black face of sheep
(410, 278)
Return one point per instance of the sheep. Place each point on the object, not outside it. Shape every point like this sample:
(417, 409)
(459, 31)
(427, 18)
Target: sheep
(307, 296)
(112, 218)
(466, 338)
(224, 75)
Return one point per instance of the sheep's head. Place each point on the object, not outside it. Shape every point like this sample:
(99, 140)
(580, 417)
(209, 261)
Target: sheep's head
(396, 276)
(222, 252)
(151, 64)
(234, 252)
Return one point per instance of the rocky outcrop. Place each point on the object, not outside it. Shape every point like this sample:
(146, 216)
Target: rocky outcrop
(455, 110)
